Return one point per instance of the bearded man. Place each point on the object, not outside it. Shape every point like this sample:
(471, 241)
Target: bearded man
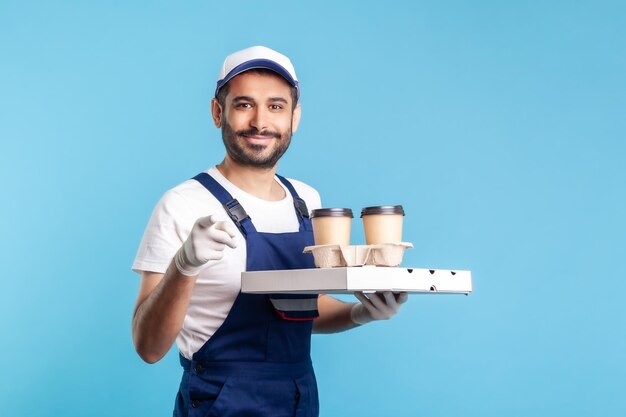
(242, 354)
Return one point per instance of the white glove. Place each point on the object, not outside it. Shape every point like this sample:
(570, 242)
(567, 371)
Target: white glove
(206, 242)
(378, 306)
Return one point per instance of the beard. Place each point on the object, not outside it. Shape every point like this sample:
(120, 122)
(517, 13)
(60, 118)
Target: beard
(254, 155)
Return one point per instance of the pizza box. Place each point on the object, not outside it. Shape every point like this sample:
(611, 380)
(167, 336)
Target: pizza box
(347, 280)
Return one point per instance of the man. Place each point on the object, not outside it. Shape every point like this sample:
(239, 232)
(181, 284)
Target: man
(242, 354)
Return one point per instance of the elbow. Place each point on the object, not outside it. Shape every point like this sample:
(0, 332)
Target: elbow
(147, 351)
(148, 355)
(144, 348)
(149, 358)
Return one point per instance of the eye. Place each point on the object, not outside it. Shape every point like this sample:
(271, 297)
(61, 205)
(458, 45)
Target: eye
(276, 107)
(243, 105)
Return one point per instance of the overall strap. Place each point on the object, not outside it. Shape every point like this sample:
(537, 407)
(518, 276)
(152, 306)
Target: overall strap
(301, 210)
(234, 210)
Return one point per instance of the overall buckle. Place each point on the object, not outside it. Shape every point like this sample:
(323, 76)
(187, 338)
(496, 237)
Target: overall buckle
(301, 207)
(236, 212)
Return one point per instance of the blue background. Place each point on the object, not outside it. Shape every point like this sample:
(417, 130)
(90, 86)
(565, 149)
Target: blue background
(498, 125)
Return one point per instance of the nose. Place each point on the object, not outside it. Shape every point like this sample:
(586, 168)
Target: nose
(260, 119)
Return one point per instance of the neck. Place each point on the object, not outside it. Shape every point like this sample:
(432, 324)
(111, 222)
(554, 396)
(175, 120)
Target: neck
(256, 181)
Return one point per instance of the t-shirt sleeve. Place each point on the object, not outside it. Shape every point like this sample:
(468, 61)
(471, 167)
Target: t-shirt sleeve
(167, 229)
(315, 201)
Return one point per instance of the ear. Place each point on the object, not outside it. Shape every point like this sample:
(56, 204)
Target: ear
(217, 113)
(295, 118)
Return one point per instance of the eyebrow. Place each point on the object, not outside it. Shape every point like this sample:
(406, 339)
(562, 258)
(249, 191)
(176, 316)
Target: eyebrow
(242, 98)
(248, 98)
(280, 99)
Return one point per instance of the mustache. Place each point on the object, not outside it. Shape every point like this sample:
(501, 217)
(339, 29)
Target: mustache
(256, 132)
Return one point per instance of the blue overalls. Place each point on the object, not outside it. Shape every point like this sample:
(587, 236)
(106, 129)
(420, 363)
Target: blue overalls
(258, 362)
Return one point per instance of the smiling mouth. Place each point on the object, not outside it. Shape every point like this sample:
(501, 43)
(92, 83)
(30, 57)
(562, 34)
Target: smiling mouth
(258, 139)
(256, 134)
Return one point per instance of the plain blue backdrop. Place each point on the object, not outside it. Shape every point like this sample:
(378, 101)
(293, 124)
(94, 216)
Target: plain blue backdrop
(499, 126)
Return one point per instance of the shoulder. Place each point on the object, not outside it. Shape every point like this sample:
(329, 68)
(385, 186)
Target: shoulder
(186, 199)
(179, 196)
(309, 194)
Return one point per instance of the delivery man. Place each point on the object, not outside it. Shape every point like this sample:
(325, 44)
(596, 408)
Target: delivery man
(242, 354)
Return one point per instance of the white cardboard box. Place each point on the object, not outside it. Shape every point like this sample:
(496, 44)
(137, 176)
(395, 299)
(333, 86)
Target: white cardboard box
(347, 280)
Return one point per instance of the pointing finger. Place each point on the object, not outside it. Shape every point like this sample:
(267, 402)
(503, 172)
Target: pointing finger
(221, 236)
(229, 230)
(205, 221)
(227, 227)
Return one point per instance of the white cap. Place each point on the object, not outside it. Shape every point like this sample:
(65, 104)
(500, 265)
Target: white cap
(257, 57)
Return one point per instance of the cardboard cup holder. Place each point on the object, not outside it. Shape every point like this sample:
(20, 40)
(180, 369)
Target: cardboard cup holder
(382, 254)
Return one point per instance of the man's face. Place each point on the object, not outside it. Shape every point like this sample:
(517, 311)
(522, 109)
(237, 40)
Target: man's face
(257, 119)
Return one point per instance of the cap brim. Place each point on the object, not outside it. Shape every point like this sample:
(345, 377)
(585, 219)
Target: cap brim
(258, 63)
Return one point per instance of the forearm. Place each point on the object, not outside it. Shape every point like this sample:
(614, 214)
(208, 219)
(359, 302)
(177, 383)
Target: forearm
(334, 315)
(160, 316)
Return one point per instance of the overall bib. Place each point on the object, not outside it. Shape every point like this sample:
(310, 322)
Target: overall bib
(258, 362)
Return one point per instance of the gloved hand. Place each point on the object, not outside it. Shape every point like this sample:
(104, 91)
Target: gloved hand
(206, 242)
(377, 306)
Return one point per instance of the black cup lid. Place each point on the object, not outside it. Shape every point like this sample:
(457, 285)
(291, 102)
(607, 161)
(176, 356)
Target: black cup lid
(332, 212)
(382, 210)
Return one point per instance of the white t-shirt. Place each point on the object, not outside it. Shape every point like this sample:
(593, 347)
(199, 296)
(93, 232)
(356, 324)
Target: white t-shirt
(219, 283)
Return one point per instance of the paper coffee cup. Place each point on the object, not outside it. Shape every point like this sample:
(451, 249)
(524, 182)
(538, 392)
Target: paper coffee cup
(383, 224)
(331, 226)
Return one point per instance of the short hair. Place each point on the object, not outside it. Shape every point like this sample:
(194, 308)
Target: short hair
(223, 92)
